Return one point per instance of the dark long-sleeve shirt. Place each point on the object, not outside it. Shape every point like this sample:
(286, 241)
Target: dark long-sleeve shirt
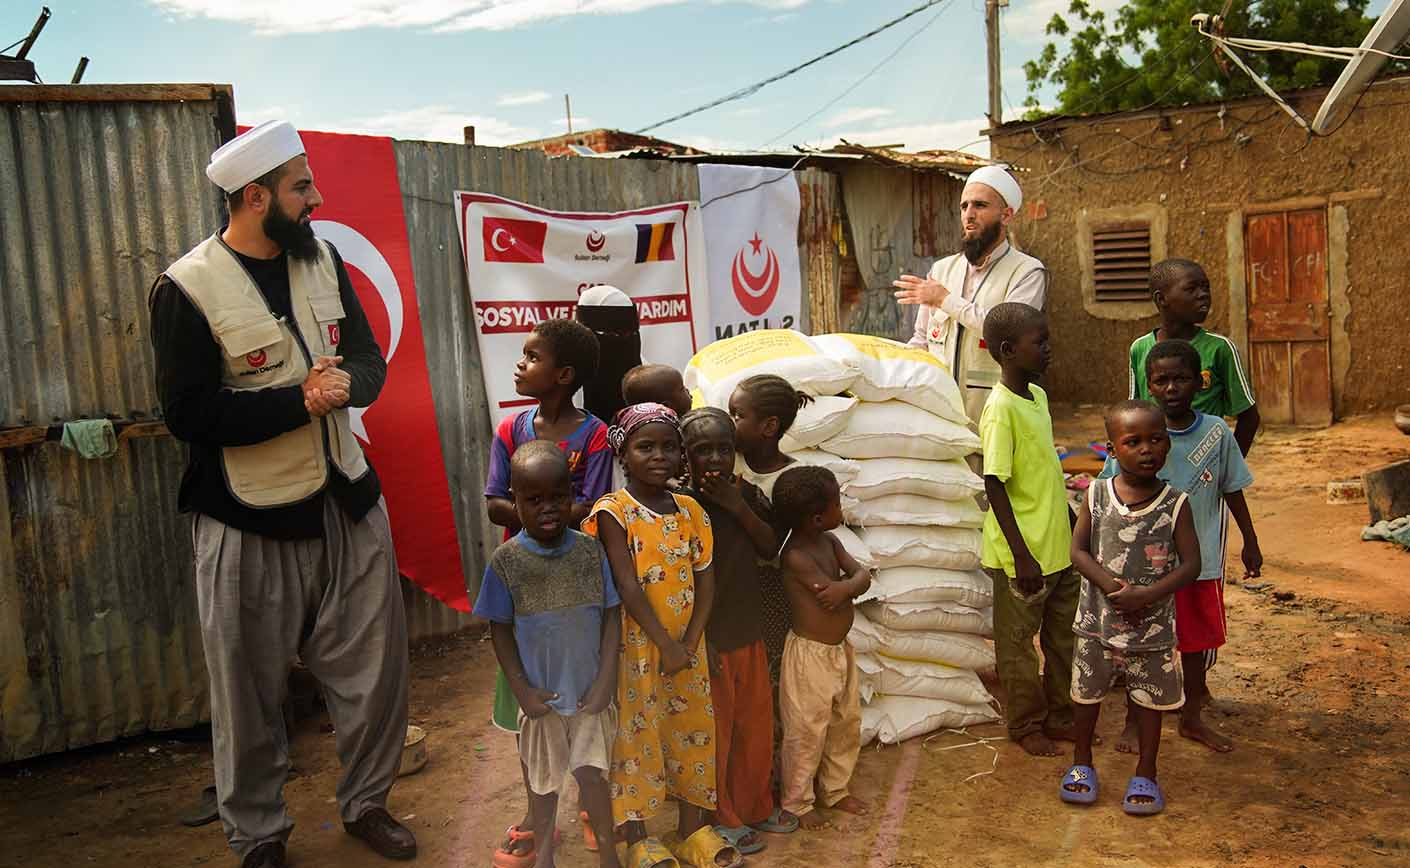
(207, 416)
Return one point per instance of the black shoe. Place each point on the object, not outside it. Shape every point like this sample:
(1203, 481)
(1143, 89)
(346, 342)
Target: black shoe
(383, 834)
(270, 854)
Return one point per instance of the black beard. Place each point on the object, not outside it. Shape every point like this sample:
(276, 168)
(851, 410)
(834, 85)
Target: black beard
(975, 248)
(293, 237)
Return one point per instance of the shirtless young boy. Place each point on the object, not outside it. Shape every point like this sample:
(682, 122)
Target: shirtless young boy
(818, 692)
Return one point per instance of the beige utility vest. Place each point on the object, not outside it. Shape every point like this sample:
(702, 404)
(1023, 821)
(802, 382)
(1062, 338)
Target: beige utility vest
(262, 351)
(964, 349)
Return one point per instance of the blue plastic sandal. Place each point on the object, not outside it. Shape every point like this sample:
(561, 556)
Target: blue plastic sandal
(1085, 775)
(1140, 786)
(735, 836)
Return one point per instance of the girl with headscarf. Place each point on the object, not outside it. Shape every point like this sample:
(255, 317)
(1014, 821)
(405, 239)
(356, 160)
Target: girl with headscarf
(660, 546)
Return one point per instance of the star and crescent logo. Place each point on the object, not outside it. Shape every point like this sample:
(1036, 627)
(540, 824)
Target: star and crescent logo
(595, 241)
(755, 291)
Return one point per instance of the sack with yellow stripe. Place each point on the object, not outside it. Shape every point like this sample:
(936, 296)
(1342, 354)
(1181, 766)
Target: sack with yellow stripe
(714, 371)
(890, 370)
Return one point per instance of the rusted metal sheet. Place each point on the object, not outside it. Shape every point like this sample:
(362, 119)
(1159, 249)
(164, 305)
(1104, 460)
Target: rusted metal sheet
(1289, 315)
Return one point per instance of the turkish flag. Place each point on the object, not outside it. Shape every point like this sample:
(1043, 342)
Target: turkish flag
(510, 240)
(362, 217)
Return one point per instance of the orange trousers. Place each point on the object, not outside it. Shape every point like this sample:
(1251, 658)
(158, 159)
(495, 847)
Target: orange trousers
(744, 737)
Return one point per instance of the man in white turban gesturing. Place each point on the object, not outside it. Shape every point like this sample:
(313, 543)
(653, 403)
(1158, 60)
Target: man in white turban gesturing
(961, 289)
(261, 348)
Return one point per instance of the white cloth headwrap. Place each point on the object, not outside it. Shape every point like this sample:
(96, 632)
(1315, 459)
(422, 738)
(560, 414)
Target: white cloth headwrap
(253, 153)
(604, 296)
(1002, 183)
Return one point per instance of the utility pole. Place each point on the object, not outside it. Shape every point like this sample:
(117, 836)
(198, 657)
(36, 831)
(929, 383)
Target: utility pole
(568, 112)
(991, 31)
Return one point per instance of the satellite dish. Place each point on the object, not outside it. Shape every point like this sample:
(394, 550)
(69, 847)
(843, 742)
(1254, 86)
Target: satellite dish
(1386, 35)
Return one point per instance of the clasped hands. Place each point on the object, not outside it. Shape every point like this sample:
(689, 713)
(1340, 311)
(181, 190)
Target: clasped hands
(326, 388)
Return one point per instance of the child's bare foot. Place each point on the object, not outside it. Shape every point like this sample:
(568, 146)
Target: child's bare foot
(1038, 745)
(1198, 730)
(851, 805)
(1068, 734)
(1130, 739)
(812, 821)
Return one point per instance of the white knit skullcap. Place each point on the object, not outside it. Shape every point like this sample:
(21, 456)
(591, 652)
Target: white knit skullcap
(253, 153)
(604, 296)
(1001, 182)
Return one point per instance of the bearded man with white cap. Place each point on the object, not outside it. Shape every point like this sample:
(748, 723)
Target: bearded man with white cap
(960, 290)
(261, 348)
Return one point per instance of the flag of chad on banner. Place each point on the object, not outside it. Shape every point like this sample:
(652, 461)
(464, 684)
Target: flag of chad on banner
(362, 217)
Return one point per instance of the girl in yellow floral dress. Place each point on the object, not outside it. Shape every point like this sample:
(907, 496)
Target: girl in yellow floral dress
(660, 547)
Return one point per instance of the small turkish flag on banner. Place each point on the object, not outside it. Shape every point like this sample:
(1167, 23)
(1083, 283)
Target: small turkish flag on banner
(509, 240)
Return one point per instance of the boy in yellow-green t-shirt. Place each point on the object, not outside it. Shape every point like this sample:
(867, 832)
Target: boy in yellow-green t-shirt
(1027, 534)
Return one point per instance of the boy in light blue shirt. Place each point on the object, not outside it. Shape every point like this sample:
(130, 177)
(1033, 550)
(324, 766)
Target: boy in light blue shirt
(1205, 462)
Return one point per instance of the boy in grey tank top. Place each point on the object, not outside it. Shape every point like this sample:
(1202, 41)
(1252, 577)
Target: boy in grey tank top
(1135, 545)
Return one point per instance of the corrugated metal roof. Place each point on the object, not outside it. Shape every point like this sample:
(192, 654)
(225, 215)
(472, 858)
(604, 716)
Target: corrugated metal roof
(956, 163)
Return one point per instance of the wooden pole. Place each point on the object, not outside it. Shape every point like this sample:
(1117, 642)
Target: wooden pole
(991, 31)
(568, 111)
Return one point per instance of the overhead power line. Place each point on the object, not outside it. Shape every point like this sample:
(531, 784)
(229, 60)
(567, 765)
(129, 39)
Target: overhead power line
(858, 83)
(758, 86)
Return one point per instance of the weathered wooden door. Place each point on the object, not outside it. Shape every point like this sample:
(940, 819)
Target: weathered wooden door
(1289, 316)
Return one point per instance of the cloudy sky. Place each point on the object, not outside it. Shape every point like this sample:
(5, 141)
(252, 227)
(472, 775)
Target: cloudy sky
(423, 69)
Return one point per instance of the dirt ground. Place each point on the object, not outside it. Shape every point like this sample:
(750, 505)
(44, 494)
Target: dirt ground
(1314, 687)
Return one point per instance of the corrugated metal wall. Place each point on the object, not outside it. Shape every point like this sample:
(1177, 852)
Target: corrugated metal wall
(98, 632)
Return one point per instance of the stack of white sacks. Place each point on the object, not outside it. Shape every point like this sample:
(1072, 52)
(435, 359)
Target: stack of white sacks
(889, 422)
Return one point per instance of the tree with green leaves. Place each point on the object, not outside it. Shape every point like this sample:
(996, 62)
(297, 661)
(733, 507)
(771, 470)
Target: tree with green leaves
(1147, 54)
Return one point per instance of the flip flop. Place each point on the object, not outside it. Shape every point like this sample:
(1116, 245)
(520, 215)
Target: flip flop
(703, 848)
(505, 859)
(1079, 775)
(776, 824)
(589, 836)
(1141, 786)
(735, 836)
(649, 853)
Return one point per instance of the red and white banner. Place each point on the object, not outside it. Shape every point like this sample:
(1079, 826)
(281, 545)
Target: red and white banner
(750, 218)
(526, 265)
(362, 217)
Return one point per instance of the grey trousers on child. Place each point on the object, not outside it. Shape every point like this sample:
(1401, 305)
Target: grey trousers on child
(336, 604)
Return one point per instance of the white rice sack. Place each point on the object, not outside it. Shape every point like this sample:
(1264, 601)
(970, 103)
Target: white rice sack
(961, 650)
(854, 546)
(912, 509)
(945, 480)
(894, 719)
(885, 676)
(971, 588)
(943, 617)
(893, 370)
(893, 429)
(845, 469)
(817, 421)
(950, 548)
(718, 368)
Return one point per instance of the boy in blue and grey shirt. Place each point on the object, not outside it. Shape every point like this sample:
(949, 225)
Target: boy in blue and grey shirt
(554, 619)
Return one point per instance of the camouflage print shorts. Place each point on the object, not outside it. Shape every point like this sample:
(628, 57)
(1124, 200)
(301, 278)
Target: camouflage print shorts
(1153, 678)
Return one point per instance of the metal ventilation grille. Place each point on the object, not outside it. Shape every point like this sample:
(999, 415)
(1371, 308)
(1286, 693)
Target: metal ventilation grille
(1121, 262)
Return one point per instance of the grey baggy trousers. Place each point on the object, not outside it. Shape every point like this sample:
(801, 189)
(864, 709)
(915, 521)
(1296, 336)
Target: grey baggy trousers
(336, 604)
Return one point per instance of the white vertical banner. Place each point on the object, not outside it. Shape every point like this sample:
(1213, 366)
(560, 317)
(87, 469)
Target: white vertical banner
(750, 217)
(526, 264)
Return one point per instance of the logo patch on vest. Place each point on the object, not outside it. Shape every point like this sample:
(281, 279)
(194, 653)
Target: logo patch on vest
(257, 358)
(334, 333)
(259, 364)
